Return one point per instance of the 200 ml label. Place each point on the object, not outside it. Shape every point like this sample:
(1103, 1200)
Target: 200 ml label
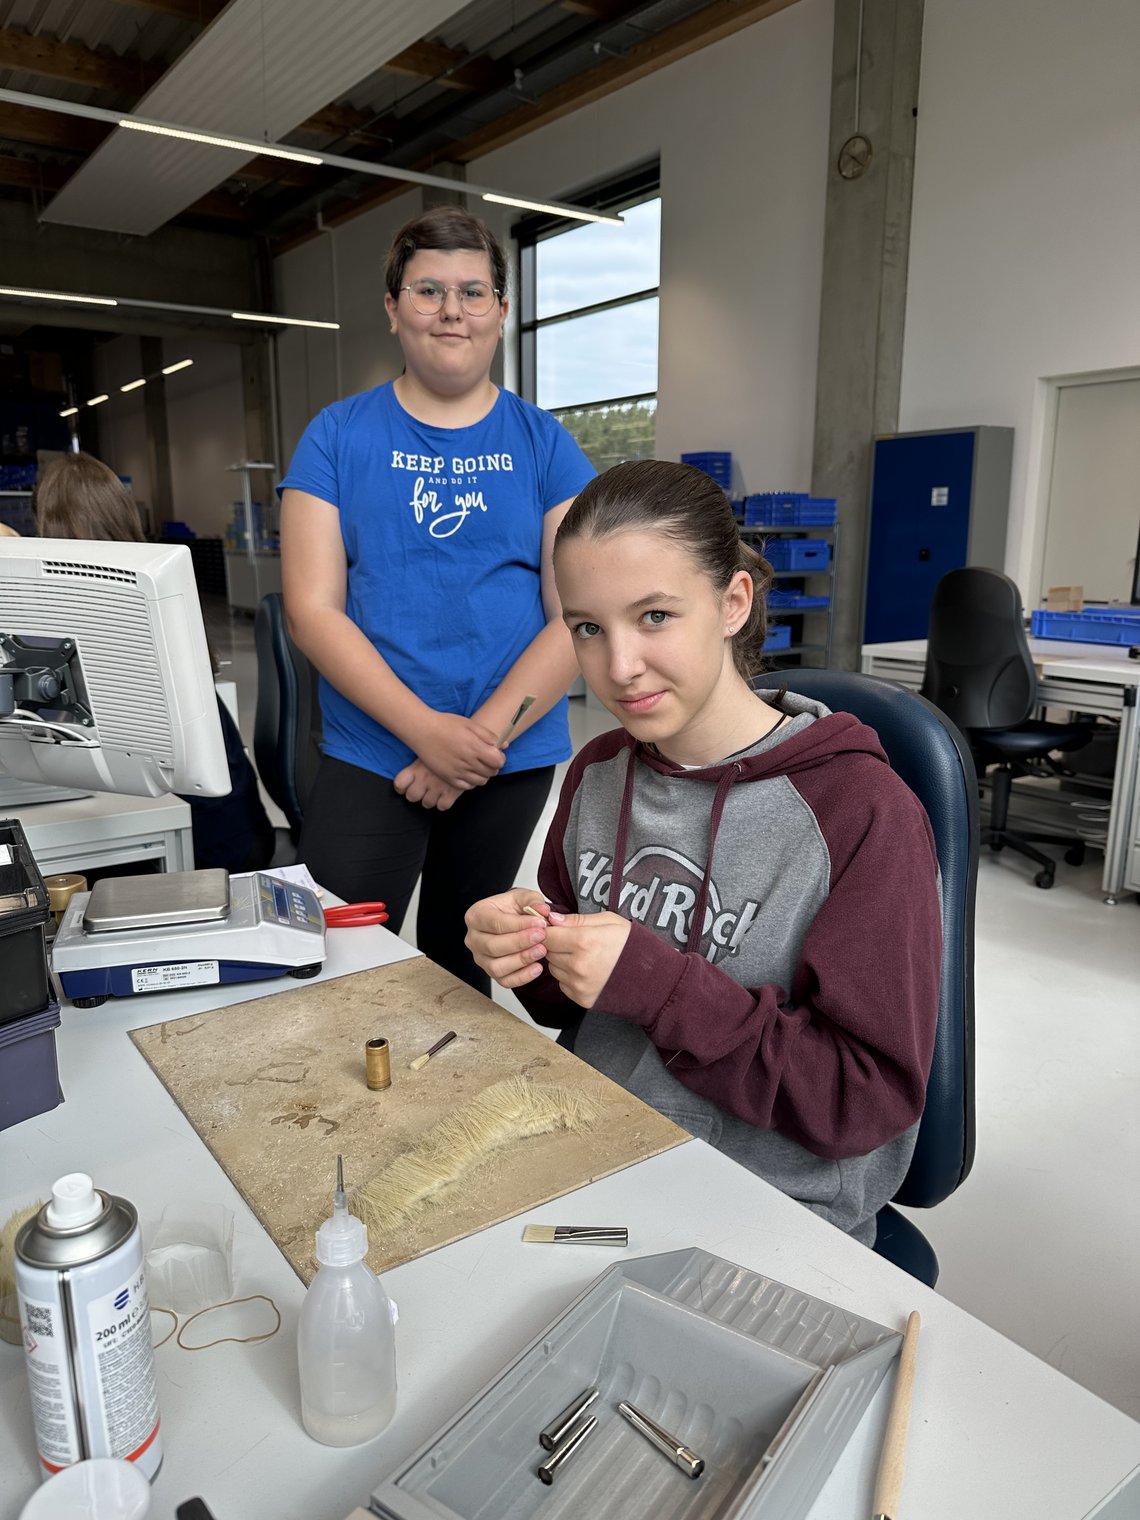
(177, 974)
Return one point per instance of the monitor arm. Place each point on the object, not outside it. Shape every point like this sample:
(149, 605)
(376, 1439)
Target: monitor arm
(42, 676)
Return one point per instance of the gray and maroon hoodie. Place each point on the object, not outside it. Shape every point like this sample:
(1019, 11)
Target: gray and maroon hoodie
(778, 992)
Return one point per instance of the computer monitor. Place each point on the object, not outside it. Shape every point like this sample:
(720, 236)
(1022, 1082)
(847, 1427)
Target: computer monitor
(105, 676)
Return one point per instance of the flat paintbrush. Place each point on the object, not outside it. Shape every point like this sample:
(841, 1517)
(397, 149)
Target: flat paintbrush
(524, 705)
(576, 1234)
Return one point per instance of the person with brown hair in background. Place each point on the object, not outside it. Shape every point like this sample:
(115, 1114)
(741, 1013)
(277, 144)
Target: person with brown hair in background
(79, 497)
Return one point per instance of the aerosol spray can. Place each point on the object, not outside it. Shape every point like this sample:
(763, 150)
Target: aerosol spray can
(85, 1322)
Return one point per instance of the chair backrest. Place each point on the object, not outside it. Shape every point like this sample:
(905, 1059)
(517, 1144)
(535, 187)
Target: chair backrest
(287, 720)
(933, 758)
(979, 670)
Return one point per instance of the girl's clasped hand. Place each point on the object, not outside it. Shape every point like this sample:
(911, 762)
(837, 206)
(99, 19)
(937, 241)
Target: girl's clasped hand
(514, 935)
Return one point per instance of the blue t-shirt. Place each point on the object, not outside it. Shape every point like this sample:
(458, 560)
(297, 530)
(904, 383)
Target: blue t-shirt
(442, 529)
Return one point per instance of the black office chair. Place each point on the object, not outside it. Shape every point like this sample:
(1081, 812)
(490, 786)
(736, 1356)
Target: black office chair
(980, 672)
(933, 758)
(287, 719)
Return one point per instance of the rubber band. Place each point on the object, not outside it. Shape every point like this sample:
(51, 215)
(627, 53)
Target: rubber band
(238, 1340)
(172, 1331)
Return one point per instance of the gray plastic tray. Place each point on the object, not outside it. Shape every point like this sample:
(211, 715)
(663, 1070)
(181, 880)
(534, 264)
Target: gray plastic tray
(763, 1381)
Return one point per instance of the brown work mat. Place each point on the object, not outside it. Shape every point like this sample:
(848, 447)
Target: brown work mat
(276, 1088)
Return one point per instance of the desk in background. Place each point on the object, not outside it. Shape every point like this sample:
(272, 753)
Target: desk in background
(1087, 678)
(994, 1431)
(109, 830)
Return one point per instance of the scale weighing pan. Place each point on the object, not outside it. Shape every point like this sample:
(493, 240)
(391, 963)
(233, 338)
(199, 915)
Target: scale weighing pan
(152, 901)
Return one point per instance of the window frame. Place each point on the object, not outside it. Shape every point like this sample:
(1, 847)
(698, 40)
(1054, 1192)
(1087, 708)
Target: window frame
(617, 194)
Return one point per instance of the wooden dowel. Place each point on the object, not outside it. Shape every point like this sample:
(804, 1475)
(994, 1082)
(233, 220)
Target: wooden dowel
(892, 1460)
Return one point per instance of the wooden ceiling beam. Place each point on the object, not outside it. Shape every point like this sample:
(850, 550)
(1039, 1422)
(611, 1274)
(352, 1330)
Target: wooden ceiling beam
(445, 66)
(97, 68)
(48, 130)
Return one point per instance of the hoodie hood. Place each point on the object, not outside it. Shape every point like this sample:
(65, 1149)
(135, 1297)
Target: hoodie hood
(813, 736)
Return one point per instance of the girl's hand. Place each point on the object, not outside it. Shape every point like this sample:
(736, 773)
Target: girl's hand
(419, 784)
(582, 950)
(460, 751)
(504, 941)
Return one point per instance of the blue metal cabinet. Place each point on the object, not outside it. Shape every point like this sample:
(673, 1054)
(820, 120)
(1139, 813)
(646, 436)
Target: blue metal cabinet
(938, 501)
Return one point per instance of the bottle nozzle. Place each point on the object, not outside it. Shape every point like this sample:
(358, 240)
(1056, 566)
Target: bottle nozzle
(340, 1197)
(342, 1238)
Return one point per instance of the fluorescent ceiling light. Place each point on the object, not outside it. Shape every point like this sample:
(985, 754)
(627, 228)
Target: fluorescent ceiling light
(69, 411)
(54, 295)
(240, 144)
(251, 146)
(554, 210)
(133, 385)
(172, 369)
(264, 316)
(95, 400)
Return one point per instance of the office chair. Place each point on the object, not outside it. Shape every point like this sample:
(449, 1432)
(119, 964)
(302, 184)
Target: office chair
(287, 719)
(980, 672)
(932, 757)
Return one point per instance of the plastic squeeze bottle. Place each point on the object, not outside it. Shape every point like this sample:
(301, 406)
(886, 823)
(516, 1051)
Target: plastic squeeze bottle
(346, 1341)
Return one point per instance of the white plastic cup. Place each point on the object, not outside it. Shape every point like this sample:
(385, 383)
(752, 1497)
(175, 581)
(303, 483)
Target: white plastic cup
(102, 1488)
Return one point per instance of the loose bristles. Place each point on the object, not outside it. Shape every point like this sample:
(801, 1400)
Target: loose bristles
(539, 1234)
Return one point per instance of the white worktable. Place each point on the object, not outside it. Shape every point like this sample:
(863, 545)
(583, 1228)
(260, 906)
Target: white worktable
(994, 1432)
(1088, 678)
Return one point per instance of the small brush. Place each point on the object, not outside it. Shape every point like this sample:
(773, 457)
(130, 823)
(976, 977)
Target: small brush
(575, 1234)
(427, 1055)
(524, 706)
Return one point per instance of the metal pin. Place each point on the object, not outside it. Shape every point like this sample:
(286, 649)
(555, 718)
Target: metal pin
(562, 1454)
(561, 1426)
(680, 1455)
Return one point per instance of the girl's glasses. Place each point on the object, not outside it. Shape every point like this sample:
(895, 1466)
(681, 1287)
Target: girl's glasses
(427, 296)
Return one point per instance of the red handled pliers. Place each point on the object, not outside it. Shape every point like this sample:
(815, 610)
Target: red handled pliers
(354, 915)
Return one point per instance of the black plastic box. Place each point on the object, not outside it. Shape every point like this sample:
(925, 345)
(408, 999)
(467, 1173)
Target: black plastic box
(24, 986)
(29, 1073)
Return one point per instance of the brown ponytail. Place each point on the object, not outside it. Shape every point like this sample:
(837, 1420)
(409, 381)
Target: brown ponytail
(687, 506)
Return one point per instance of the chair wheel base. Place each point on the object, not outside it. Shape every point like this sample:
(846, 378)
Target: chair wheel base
(1075, 856)
(1044, 880)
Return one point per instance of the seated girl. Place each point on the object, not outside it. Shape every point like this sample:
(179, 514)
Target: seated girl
(741, 919)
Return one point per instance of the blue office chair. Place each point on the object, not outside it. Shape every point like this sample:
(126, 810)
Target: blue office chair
(287, 718)
(934, 760)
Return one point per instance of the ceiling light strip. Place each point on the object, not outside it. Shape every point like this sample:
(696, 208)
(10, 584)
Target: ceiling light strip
(172, 369)
(54, 295)
(264, 316)
(280, 150)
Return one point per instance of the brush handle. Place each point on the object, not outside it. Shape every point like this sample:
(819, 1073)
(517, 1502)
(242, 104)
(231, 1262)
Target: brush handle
(892, 1461)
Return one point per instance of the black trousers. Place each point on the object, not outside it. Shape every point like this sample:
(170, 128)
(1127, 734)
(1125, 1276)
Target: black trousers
(363, 841)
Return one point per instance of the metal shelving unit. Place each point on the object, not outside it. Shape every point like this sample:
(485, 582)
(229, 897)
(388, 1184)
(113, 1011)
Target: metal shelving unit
(803, 646)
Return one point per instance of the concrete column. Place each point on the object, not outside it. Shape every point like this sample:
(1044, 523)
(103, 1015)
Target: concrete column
(157, 435)
(874, 100)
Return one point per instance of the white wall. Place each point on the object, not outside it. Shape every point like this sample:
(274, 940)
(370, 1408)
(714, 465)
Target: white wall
(1026, 224)
(741, 128)
(205, 421)
(116, 432)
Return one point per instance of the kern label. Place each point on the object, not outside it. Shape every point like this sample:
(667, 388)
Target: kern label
(177, 974)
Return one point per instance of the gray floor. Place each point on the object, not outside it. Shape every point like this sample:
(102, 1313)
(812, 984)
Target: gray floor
(1043, 1240)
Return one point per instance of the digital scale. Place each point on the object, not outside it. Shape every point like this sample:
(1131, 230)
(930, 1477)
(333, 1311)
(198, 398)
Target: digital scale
(156, 933)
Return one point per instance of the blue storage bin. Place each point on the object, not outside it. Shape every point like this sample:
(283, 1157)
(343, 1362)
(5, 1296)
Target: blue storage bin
(806, 554)
(773, 510)
(796, 601)
(1096, 625)
(29, 1075)
(778, 638)
(717, 466)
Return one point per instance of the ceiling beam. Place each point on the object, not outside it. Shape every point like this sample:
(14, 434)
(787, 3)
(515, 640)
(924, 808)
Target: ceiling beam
(97, 68)
(717, 21)
(445, 66)
(36, 174)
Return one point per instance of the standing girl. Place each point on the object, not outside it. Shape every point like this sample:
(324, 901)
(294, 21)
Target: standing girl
(742, 925)
(417, 529)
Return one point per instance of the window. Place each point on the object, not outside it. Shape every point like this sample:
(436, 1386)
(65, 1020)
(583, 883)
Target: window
(588, 334)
